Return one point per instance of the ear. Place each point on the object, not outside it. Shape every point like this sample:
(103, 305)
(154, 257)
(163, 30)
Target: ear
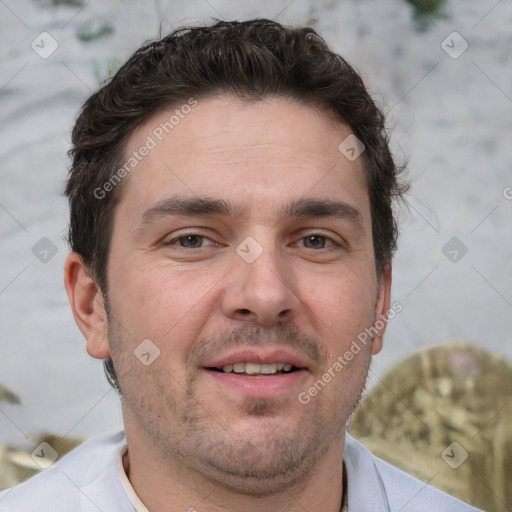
(382, 308)
(87, 305)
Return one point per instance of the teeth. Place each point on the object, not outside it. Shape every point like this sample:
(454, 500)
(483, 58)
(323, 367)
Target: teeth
(252, 368)
(268, 368)
(255, 368)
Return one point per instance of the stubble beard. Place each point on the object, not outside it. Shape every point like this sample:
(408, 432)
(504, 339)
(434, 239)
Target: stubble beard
(182, 429)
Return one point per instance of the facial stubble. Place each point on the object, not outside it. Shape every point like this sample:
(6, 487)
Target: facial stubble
(279, 454)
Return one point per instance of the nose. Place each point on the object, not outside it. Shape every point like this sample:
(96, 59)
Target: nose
(262, 291)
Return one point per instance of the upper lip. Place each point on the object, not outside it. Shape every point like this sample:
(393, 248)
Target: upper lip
(259, 355)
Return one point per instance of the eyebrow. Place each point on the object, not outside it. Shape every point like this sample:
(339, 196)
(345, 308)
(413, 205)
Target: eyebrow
(207, 206)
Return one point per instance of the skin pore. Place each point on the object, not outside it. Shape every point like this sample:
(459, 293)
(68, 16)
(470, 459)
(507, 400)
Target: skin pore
(264, 179)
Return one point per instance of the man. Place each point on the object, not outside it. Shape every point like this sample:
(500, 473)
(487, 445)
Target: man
(231, 197)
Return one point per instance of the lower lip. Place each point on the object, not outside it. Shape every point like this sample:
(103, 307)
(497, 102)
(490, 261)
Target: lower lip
(261, 386)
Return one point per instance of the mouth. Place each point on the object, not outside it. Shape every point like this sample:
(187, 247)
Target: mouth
(258, 373)
(255, 369)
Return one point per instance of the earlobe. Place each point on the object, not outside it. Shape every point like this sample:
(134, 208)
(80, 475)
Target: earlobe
(87, 304)
(382, 309)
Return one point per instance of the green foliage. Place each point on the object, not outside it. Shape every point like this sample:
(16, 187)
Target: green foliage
(424, 11)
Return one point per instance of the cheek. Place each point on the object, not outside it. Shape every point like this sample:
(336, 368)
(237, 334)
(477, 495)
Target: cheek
(144, 292)
(344, 304)
(163, 303)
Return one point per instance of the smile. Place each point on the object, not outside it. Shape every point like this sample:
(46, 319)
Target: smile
(259, 372)
(257, 369)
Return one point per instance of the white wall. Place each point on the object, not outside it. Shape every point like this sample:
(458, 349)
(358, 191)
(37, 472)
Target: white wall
(453, 121)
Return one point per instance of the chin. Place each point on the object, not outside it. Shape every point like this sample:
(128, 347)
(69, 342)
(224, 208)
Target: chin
(262, 456)
(260, 474)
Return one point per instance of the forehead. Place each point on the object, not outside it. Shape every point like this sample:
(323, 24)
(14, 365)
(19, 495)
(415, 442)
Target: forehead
(264, 152)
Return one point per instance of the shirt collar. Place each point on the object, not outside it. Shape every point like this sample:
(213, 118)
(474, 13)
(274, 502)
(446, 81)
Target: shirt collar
(365, 488)
(127, 486)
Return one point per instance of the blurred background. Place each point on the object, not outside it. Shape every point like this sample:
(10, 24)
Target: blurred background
(442, 70)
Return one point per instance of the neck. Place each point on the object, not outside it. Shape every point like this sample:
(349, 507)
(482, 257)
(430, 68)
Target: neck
(160, 480)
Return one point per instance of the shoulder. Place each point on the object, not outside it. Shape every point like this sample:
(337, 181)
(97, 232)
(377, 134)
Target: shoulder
(81, 480)
(401, 491)
(412, 495)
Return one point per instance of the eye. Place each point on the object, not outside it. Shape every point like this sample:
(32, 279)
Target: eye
(191, 241)
(316, 241)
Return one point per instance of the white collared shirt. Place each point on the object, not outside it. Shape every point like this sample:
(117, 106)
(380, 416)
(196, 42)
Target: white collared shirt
(91, 478)
(138, 506)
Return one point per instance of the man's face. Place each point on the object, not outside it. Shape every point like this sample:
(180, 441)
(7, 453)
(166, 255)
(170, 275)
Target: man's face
(242, 243)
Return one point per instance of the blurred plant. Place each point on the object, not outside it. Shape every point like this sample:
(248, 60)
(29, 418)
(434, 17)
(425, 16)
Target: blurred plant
(16, 465)
(424, 10)
(94, 29)
(7, 395)
(438, 395)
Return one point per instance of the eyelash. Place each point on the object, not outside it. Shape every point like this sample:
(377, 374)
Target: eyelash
(173, 241)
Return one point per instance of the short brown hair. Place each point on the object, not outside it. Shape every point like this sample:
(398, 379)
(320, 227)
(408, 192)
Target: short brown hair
(250, 60)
